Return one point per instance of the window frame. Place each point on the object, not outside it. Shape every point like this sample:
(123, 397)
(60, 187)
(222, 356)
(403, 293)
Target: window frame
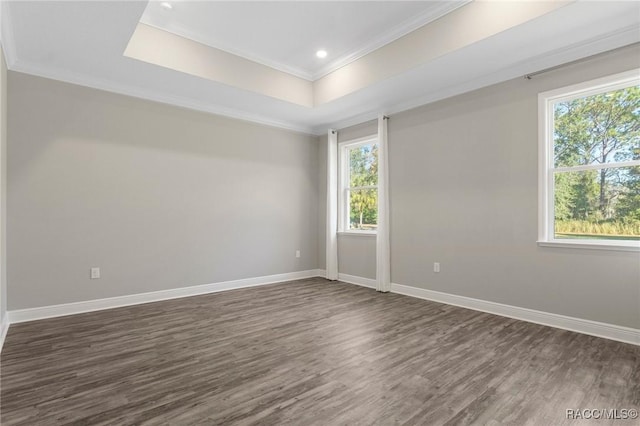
(546, 157)
(344, 188)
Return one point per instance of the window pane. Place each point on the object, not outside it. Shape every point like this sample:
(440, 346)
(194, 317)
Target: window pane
(597, 129)
(363, 209)
(598, 204)
(363, 165)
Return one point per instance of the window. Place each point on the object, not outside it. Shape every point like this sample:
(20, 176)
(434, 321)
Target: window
(590, 164)
(358, 177)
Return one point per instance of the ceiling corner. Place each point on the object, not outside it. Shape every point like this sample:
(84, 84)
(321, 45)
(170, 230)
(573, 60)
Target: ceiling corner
(6, 35)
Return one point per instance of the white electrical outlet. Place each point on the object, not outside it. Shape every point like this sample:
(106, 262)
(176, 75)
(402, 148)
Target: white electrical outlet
(297, 253)
(436, 266)
(95, 273)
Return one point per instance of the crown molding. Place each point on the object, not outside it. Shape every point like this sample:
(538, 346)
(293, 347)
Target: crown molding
(15, 64)
(622, 37)
(151, 95)
(391, 35)
(188, 34)
(375, 43)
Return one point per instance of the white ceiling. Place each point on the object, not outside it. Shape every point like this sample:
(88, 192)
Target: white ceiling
(286, 35)
(83, 43)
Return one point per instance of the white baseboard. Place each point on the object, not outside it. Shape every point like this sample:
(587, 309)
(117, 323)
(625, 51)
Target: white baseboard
(4, 329)
(31, 314)
(593, 328)
(361, 281)
(578, 325)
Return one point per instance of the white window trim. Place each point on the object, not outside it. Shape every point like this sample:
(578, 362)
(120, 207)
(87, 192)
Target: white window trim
(546, 208)
(358, 233)
(343, 173)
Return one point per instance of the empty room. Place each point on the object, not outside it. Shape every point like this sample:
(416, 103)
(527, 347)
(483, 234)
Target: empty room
(320, 212)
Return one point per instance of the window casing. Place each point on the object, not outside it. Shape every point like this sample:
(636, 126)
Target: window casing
(358, 181)
(589, 159)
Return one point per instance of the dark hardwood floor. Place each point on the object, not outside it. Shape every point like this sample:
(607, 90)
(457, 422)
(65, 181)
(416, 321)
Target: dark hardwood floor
(307, 352)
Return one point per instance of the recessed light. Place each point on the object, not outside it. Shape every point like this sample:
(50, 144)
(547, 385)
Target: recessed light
(321, 53)
(166, 5)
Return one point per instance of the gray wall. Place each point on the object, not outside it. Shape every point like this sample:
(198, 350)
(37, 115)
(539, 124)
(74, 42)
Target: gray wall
(463, 177)
(356, 254)
(157, 196)
(3, 187)
(161, 197)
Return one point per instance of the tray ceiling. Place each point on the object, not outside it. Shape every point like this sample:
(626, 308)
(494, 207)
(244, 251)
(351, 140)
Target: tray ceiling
(286, 35)
(471, 46)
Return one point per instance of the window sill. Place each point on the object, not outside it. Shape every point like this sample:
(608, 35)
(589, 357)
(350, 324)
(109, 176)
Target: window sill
(577, 244)
(359, 233)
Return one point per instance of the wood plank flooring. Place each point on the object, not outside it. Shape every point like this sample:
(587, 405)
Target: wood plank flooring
(307, 352)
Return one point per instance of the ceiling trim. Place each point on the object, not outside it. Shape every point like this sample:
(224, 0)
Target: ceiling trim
(190, 35)
(383, 39)
(620, 38)
(391, 35)
(150, 95)
(624, 36)
(191, 57)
